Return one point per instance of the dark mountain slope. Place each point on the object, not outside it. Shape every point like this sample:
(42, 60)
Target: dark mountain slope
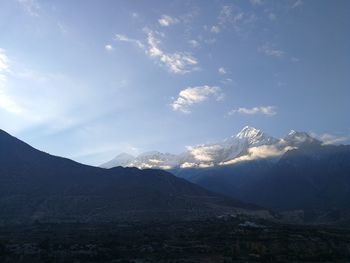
(231, 180)
(307, 178)
(314, 178)
(36, 185)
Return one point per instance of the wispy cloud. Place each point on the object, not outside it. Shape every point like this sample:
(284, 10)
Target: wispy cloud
(195, 95)
(226, 15)
(166, 20)
(215, 29)
(328, 138)
(265, 110)
(123, 38)
(193, 43)
(227, 81)
(297, 3)
(233, 17)
(177, 62)
(269, 50)
(222, 71)
(31, 7)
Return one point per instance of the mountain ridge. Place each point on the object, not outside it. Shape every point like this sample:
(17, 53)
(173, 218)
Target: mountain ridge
(35, 185)
(249, 143)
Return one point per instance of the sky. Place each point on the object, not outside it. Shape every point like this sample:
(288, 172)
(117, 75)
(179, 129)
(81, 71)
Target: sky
(91, 79)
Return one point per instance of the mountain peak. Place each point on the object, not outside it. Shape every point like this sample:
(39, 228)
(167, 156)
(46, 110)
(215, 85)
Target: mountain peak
(292, 132)
(121, 159)
(298, 138)
(248, 132)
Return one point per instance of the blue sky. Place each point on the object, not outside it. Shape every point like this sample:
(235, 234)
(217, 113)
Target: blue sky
(90, 79)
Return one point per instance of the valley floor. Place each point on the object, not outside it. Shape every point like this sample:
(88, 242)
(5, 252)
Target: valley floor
(217, 240)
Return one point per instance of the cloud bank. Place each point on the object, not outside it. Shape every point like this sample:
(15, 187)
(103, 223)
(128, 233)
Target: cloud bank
(259, 152)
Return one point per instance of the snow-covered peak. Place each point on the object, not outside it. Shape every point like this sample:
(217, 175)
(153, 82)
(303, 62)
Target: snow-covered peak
(296, 138)
(292, 133)
(255, 137)
(248, 144)
(248, 132)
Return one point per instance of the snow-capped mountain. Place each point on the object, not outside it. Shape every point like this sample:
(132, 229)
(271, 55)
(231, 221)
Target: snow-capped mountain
(213, 154)
(295, 138)
(152, 159)
(155, 159)
(122, 159)
(250, 143)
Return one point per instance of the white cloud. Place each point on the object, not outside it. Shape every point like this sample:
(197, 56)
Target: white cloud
(205, 153)
(166, 20)
(297, 3)
(265, 110)
(109, 47)
(233, 16)
(294, 59)
(226, 81)
(177, 63)
(196, 165)
(31, 7)
(256, 2)
(215, 29)
(260, 152)
(268, 50)
(188, 165)
(328, 138)
(222, 71)
(123, 38)
(195, 95)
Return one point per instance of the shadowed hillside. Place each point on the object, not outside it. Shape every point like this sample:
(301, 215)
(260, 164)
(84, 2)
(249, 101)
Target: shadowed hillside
(37, 186)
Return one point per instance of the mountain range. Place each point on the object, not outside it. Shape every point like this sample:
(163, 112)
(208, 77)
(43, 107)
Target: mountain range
(35, 185)
(249, 144)
(297, 174)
